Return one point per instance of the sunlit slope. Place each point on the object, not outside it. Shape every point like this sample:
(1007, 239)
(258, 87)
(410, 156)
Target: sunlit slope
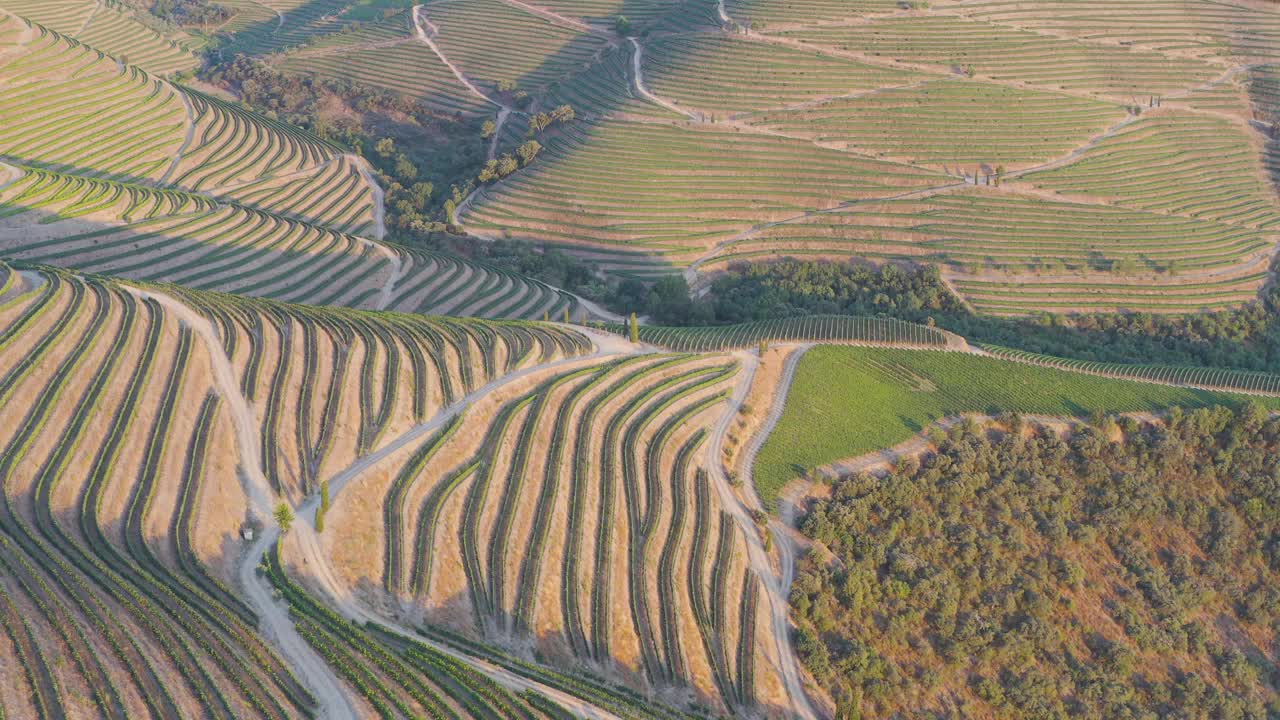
(162, 235)
(153, 181)
(73, 108)
(575, 513)
(148, 424)
(115, 29)
(387, 54)
(676, 191)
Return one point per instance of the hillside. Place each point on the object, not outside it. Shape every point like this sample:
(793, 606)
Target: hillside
(1119, 571)
(928, 133)
(167, 419)
(845, 402)
(639, 359)
(195, 190)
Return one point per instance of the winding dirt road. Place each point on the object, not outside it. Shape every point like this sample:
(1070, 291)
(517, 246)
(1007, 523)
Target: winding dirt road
(273, 618)
(426, 31)
(186, 142)
(637, 62)
(777, 586)
(379, 195)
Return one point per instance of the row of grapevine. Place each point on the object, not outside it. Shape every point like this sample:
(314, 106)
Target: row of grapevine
(1205, 378)
(571, 525)
(300, 363)
(60, 196)
(129, 620)
(813, 328)
(398, 675)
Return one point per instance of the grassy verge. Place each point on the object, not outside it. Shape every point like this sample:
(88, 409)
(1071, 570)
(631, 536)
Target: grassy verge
(846, 401)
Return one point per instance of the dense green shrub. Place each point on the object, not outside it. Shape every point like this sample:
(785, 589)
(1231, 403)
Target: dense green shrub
(1128, 571)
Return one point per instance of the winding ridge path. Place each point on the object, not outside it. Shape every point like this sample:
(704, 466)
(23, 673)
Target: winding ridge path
(186, 142)
(777, 586)
(9, 175)
(379, 196)
(426, 31)
(555, 17)
(637, 60)
(275, 623)
(779, 594)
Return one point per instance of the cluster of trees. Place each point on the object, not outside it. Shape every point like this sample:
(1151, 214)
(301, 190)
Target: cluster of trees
(416, 149)
(1247, 338)
(190, 13)
(1126, 571)
(748, 292)
(497, 168)
(546, 264)
(559, 115)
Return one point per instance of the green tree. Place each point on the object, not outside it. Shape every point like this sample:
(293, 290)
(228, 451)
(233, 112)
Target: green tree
(385, 147)
(284, 516)
(528, 151)
(635, 329)
(405, 169)
(488, 129)
(622, 25)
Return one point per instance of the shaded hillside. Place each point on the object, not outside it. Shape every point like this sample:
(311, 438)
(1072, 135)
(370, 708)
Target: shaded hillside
(1127, 571)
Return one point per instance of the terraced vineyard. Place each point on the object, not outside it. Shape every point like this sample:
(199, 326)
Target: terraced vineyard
(574, 512)
(916, 124)
(114, 29)
(272, 452)
(1008, 55)
(561, 198)
(68, 106)
(820, 328)
(1200, 27)
(235, 202)
(172, 236)
(387, 54)
(133, 528)
(477, 36)
(967, 90)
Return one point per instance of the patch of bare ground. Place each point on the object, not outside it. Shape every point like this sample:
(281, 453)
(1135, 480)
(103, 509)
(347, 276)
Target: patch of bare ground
(164, 505)
(771, 692)
(37, 329)
(755, 409)
(354, 537)
(14, 697)
(501, 467)
(221, 506)
(299, 569)
(448, 600)
(119, 488)
(697, 665)
(346, 427)
(526, 504)
(702, 689)
(624, 643)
